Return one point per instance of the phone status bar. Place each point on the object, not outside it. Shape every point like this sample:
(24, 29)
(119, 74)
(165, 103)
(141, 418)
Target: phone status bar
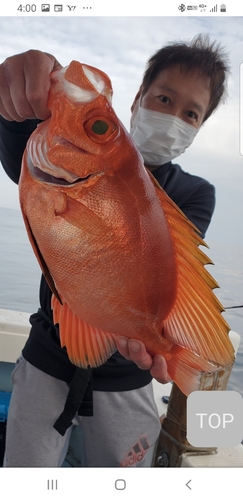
(125, 8)
(47, 8)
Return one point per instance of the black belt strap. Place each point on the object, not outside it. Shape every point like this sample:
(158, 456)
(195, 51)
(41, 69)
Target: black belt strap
(80, 396)
(80, 386)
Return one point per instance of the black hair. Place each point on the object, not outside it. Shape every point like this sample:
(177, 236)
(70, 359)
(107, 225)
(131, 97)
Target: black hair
(200, 53)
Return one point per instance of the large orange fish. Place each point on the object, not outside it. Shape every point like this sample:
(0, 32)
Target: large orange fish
(119, 256)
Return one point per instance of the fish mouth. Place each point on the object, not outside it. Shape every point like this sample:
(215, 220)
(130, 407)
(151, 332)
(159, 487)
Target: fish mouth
(58, 181)
(45, 171)
(48, 178)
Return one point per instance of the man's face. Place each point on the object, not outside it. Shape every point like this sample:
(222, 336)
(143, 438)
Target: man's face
(184, 94)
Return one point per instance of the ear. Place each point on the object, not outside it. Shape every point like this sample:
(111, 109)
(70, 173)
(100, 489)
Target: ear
(136, 98)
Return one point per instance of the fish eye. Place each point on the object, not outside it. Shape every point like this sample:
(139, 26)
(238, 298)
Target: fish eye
(100, 127)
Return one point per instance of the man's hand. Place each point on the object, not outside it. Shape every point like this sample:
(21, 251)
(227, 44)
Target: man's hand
(135, 350)
(24, 85)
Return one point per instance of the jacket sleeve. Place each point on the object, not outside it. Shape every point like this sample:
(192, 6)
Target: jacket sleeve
(13, 139)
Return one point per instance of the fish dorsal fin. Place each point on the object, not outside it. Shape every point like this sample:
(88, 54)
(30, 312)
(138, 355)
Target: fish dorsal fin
(89, 78)
(80, 83)
(75, 74)
(85, 344)
(195, 321)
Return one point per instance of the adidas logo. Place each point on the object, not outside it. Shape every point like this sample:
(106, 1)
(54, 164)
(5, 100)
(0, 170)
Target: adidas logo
(137, 452)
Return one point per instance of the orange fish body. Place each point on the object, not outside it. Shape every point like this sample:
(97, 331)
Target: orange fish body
(119, 256)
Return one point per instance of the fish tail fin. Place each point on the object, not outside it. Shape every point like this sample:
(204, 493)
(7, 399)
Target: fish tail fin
(186, 369)
(85, 344)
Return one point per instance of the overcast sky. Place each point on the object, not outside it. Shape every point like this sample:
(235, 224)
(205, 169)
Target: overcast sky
(121, 48)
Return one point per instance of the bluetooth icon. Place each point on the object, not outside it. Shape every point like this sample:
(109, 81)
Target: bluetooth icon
(182, 7)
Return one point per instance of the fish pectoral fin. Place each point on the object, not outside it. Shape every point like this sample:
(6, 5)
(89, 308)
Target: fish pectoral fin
(39, 256)
(85, 344)
(80, 216)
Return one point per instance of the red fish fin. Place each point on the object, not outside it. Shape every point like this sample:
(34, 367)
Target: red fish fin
(195, 321)
(80, 216)
(39, 256)
(75, 74)
(85, 344)
(186, 369)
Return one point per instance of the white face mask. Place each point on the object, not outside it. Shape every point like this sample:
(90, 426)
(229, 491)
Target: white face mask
(160, 137)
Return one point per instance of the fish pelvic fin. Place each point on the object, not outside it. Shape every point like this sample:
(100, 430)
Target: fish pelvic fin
(195, 321)
(86, 345)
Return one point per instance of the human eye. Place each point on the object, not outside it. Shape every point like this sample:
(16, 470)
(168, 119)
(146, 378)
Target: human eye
(164, 99)
(192, 115)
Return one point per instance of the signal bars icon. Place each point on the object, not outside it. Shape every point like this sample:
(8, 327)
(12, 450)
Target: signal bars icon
(222, 8)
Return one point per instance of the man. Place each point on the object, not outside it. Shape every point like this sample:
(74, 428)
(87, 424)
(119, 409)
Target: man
(182, 86)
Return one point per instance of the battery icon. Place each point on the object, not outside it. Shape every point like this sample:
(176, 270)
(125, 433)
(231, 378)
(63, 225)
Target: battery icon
(223, 7)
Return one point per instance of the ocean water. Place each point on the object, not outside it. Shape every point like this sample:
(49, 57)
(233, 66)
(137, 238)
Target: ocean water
(20, 276)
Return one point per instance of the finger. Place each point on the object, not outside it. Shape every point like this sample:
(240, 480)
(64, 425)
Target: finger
(24, 85)
(8, 108)
(38, 82)
(139, 355)
(135, 351)
(159, 369)
(122, 346)
(4, 112)
(11, 77)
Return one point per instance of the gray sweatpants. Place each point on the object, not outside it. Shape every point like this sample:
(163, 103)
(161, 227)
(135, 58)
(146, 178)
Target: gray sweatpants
(122, 432)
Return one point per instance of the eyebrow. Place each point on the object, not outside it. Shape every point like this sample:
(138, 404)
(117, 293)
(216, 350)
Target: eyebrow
(166, 87)
(173, 91)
